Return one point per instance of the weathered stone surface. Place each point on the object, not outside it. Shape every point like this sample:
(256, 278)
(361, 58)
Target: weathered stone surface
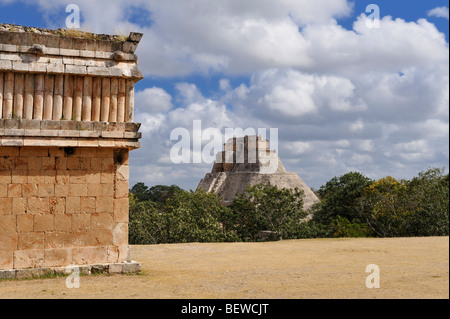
(72, 217)
(63, 185)
(103, 268)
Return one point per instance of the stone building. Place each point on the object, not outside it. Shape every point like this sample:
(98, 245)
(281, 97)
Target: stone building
(249, 161)
(66, 129)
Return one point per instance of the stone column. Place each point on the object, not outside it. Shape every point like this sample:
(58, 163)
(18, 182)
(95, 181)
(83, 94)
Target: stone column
(8, 95)
(130, 101)
(48, 97)
(87, 98)
(38, 97)
(96, 99)
(78, 98)
(19, 85)
(114, 96)
(58, 97)
(121, 101)
(106, 99)
(29, 97)
(68, 97)
(1, 94)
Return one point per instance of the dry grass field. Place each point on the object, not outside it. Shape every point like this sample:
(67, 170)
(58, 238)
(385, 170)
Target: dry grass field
(292, 269)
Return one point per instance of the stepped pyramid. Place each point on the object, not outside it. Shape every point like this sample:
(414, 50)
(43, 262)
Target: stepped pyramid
(249, 161)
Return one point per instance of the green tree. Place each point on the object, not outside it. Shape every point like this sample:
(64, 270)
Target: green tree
(342, 227)
(195, 217)
(429, 199)
(419, 207)
(339, 197)
(267, 208)
(160, 193)
(157, 194)
(386, 208)
(147, 224)
(141, 192)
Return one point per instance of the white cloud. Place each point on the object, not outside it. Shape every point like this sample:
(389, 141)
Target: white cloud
(372, 100)
(153, 100)
(439, 12)
(300, 147)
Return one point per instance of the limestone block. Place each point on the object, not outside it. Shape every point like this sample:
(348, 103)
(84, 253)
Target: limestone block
(6, 262)
(44, 222)
(98, 71)
(115, 268)
(28, 258)
(104, 205)
(75, 69)
(9, 238)
(89, 255)
(57, 257)
(69, 52)
(95, 189)
(38, 206)
(102, 221)
(19, 205)
(9, 47)
(31, 240)
(25, 223)
(55, 68)
(81, 221)
(87, 205)
(37, 67)
(63, 222)
(121, 207)
(51, 51)
(124, 253)
(104, 55)
(79, 43)
(131, 267)
(120, 234)
(129, 47)
(19, 66)
(87, 53)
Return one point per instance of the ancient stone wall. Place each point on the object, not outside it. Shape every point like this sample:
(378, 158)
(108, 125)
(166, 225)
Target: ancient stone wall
(63, 206)
(66, 130)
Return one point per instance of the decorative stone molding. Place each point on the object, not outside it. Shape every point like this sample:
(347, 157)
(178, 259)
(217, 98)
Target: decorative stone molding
(66, 129)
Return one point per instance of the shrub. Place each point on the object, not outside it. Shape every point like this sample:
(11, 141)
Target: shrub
(267, 208)
(146, 223)
(195, 217)
(342, 227)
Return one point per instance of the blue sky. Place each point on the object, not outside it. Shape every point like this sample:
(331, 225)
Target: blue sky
(343, 97)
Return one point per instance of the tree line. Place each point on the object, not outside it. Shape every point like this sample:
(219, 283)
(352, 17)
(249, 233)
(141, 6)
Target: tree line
(351, 205)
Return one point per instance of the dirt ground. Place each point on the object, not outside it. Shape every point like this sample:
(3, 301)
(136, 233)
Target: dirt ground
(293, 269)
